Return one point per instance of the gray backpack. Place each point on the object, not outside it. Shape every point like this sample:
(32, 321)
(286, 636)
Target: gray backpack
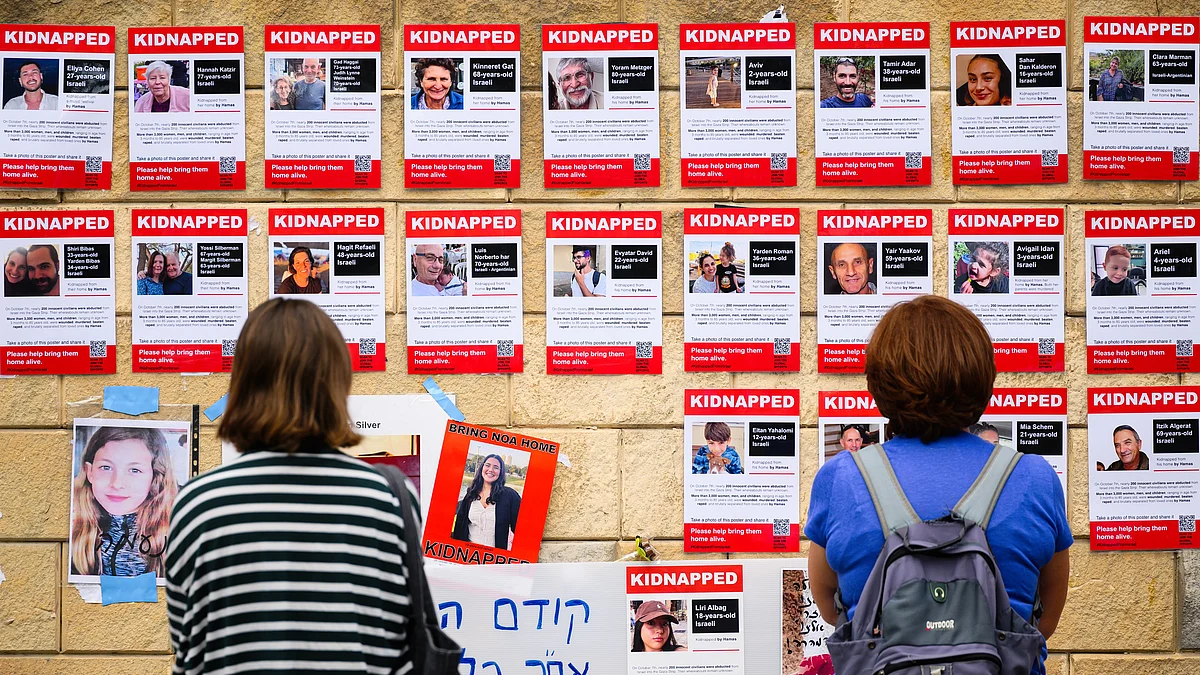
(935, 603)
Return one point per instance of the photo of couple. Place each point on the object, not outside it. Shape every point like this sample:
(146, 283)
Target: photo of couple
(164, 269)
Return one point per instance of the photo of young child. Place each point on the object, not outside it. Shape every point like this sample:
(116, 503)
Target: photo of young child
(719, 453)
(1118, 274)
(727, 271)
(981, 267)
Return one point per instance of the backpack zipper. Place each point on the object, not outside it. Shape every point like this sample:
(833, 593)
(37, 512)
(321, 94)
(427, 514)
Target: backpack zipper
(899, 665)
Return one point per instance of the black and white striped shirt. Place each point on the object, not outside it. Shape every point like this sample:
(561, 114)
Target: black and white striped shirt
(288, 563)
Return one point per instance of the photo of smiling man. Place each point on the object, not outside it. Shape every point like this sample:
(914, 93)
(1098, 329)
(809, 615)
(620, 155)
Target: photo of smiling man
(846, 79)
(851, 268)
(32, 85)
(576, 81)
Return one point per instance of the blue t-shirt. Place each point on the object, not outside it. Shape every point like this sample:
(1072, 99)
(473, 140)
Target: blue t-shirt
(1028, 525)
(309, 96)
(860, 101)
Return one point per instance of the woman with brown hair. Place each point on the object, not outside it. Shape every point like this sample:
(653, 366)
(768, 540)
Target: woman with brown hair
(293, 534)
(930, 368)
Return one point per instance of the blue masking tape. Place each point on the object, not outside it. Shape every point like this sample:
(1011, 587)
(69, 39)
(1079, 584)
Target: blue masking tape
(440, 396)
(142, 588)
(215, 410)
(131, 400)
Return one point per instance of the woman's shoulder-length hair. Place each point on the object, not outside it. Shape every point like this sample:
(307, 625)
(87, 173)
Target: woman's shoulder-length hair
(930, 367)
(290, 379)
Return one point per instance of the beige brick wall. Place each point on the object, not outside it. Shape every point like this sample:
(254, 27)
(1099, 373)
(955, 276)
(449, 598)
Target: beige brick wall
(1125, 612)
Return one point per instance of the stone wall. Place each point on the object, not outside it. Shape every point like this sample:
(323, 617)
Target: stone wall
(1126, 612)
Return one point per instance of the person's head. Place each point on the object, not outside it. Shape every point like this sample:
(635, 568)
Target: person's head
(851, 438)
(986, 431)
(989, 82)
(707, 266)
(290, 380)
(851, 265)
(1114, 63)
(156, 264)
(174, 267)
(845, 78)
(931, 367)
(300, 262)
(989, 261)
(575, 77)
(727, 253)
(716, 436)
(282, 89)
(581, 256)
(1099, 466)
(1127, 444)
(652, 631)
(42, 267)
(1116, 263)
(30, 75)
(436, 78)
(158, 79)
(311, 68)
(428, 262)
(15, 267)
(123, 470)
(490, 472)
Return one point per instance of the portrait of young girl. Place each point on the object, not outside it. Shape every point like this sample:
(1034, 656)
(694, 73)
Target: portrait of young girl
(126, 475)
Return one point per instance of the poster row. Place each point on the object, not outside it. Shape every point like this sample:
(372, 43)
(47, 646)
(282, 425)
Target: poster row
(600, 104)
(604, 286)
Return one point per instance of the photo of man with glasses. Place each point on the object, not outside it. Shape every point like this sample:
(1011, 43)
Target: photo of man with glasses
(576, 80)
(432, 274)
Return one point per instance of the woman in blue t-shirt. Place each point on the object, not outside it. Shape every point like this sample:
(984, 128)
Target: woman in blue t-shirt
(930, 369)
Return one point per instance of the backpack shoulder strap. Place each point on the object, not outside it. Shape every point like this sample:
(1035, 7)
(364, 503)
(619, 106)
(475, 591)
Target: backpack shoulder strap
(595, 277)
(892, 507)
(979, 501)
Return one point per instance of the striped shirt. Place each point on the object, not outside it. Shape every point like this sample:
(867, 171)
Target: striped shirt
(288, 563)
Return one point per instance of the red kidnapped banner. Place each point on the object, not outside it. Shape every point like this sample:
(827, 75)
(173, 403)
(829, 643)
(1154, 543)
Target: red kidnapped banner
(437, 359)
(472, 37)
(738, 356)
(600, 37)
(1141, 30)
(846, 404)
(785, 402)
(1141, 223)
(741, 221)
(683, 579)
(606, 224)
(1019, 33)
(322, 38)
(463, 223)
(198, 40)
(737, 36)
(1130, 400)
(875, 222)
(189, 222)
(871, 171)
(871, 35)
(460, 173)
(1001, 222)
(1028, 401)
(31, 39)
(318, 221)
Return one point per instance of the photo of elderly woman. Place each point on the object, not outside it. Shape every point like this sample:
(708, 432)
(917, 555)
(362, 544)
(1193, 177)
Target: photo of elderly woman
(437, 84)
(161, 86)
(490, 499)
(126, 474)
(157, 262)
(983, 79)
(297, 83)
(658, 625)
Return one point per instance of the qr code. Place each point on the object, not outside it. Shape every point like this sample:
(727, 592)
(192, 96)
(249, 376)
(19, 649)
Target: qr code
(228, 165)
(783, 346)
(1050, 158)
(228, 347)
(502, 163)
(779, 161)
(641, 161)
(1181, 155)
(781, 527)
(366, 347)
(505, 348)
(912, 160)
(1187, 523)
(362, 164)
(1045, 346)
(643, 350)
(1183, 348)
(98, 349)
(93, 165)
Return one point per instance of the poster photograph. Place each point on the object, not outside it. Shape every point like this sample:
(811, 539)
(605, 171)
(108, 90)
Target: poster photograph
(56, 106)
(603, 292)
(334, 258)
(686, 619)
(1141, 98)
(124, 478)
(848, 420)
(1032, 421)
(1142, 307)
(868, 260)
(600, 105)
(322, 100)
(189, 289)
(187, 102)
(464, 291)
(59, 293)
(738, 104)
(1009, 101)
(1143, 459)
(490, 496)
(741, 296)
(1007, 266)
(871, 84)
(462, 124)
